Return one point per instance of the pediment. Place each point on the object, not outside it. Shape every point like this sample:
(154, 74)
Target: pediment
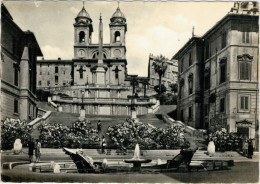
(244, 122)
(244, 57)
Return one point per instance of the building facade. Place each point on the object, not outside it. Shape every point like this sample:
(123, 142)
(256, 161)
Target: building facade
(226, 77)
(170, 76)
(19, 51)
(99, 83)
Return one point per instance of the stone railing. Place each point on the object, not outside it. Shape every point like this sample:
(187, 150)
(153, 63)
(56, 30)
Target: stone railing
(37, 121)
(78, 100)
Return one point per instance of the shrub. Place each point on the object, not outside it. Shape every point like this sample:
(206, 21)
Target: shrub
(79, 135)
(12, 129)
(128, 134)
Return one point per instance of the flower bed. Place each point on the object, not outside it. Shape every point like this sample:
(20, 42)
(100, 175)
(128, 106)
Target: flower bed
(12, 129)
(226, 141)
(126, 135)
(79, 135)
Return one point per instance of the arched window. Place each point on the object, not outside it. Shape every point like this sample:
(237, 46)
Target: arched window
(96, 54)
(81, 36)
(117, 36)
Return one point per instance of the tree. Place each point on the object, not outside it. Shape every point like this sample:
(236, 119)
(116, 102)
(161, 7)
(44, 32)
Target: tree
(157, 89)
(160, 67)
(174, 87)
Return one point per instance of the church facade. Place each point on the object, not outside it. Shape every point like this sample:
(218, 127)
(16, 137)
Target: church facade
(96, 78)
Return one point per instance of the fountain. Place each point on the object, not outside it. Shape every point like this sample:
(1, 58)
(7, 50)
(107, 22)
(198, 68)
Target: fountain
(136, 160)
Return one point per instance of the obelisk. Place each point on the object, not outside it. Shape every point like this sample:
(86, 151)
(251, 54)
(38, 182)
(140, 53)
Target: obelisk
(100, 70)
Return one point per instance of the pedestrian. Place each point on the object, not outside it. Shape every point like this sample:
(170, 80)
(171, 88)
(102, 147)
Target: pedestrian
(250, 149)
(31, 149)
(38, 150)
(103, 144)
(99, 126)
(245, 146)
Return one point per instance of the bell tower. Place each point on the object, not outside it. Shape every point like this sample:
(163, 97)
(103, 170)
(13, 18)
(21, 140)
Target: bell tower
(82, 33)
(118, 28)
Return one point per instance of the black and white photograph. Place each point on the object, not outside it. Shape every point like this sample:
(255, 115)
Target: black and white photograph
(129, 91)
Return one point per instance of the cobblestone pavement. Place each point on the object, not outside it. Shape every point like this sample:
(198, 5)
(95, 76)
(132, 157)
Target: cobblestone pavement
(245, 170)
(240, 173)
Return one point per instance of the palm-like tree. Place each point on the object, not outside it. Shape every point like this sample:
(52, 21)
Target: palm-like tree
(160, 66)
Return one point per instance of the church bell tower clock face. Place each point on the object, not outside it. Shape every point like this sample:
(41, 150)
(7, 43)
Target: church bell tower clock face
(81, 53)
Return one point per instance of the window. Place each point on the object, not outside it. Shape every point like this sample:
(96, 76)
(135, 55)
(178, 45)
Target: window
(190, 83)
(39, 83)
(182, 64)
(223, 40)
(116, 72)
(190, 58)
(48, 83)
(207, 79)
(48, 73)
(15, 106)
(245, 68)
(81, 36)
(64, 72)
(245, 37)
(181, 88)
(222, 105)
(56, 69)
(117, 36)
(40, 72)
(81, 75)
(223, 70)
(244, 103)
(190, 113)
(56, 80)
(16, 75)
(64, 83)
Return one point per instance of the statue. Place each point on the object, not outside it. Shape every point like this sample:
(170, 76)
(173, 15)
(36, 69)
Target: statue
(17, 146)
(211, 148)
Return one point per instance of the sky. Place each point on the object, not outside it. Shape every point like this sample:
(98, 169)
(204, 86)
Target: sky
(152, 27)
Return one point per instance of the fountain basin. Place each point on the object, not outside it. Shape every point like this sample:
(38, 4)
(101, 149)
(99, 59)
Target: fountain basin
(137, 163)
(136, 160)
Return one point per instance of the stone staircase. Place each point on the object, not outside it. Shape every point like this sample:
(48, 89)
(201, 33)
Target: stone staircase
(67, 118)
(165, 109)
(45, 106)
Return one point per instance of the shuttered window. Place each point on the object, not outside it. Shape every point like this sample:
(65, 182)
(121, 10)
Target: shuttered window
(245, 37)
(245, 68)
(244, 102)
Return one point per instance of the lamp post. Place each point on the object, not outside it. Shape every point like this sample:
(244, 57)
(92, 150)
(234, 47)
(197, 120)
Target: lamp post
(82, 105)
(82, 110)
